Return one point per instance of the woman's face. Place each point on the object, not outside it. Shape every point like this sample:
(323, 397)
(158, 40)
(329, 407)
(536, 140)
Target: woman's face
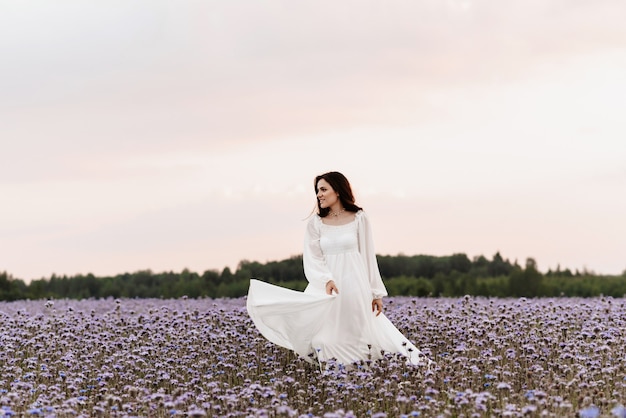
(326, 195)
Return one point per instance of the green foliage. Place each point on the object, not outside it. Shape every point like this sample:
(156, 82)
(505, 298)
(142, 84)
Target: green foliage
(527, 282)
(409, 286)
(10, 288)
(418, 275)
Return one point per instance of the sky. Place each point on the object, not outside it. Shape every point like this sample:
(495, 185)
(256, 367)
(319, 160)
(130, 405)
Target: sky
(167, 135)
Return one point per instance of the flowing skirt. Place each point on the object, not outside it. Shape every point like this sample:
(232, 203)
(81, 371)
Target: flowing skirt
(321, 327)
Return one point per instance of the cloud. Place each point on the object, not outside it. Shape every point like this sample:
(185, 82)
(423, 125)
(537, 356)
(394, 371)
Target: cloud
(108, 78)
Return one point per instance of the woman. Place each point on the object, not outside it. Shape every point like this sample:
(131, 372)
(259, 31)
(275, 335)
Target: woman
(340, 313)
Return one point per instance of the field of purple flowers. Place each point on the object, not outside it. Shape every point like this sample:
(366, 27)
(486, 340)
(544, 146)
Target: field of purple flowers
(158, 358)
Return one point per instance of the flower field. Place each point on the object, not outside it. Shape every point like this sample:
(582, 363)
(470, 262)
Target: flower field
(187, 357)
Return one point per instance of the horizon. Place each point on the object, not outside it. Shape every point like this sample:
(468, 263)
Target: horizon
(514, 262)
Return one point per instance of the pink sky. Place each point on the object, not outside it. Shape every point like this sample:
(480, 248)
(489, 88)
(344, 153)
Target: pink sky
(160, 135)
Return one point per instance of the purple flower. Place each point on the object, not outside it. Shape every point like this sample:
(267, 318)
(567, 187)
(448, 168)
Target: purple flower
(590, 412)
(619, 411)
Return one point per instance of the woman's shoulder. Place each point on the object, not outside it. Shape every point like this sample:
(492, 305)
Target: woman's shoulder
(359, 217)
(314, 220)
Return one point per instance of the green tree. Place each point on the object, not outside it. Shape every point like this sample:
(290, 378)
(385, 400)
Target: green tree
(498, 266)
(10, 288)
(527, 282)
(460, 262)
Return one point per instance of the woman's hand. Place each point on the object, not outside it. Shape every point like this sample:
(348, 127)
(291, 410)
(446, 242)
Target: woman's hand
(377, 306)
(330, 286)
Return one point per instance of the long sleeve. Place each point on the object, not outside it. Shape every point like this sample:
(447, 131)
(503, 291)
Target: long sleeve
(366, 248)
(315, 269)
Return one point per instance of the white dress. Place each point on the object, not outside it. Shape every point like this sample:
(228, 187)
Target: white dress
(321, 327)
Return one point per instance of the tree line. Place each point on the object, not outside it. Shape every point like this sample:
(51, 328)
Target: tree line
(417, 275)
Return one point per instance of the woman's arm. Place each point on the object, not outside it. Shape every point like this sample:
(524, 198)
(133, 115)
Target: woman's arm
(366, 248)
(315, 269)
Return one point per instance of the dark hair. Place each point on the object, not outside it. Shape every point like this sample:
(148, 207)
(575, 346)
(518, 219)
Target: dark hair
(341, 185)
